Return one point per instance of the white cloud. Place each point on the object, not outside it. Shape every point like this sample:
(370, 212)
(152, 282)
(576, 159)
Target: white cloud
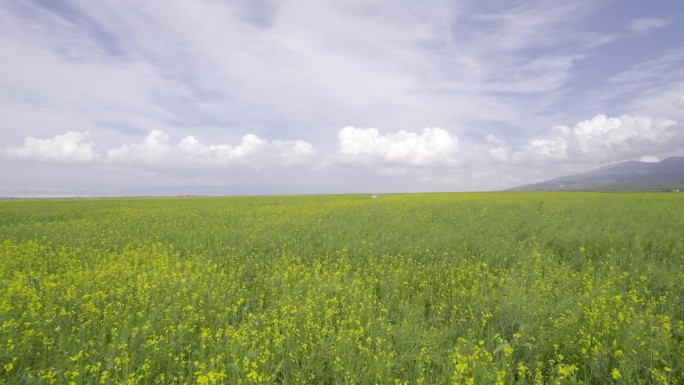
(366, 146)
(625, 133)
(153, 149)
(554, 148)
(648, 23)
(603, 139)
(252, 150)
(70, 147)
(497, 148)
(650, 158)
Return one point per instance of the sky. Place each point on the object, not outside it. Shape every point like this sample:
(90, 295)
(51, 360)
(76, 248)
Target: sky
(124, 97)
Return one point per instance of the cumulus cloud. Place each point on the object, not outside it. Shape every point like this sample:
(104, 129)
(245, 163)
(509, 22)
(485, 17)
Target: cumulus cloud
(69, 148)
(554, 148)
(252, 150)
(497, 148)
(152, 149)
(603, 138)
(366, 146)
(648, 23)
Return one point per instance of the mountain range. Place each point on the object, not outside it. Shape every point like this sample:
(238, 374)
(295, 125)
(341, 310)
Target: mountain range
(666, 175)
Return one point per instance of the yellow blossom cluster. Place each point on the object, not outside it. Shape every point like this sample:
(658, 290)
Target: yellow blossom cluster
(480, 288)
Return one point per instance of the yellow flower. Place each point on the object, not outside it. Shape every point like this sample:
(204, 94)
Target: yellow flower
(615, 374)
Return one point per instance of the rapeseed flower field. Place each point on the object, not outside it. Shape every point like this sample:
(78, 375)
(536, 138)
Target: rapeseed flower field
(486, 288)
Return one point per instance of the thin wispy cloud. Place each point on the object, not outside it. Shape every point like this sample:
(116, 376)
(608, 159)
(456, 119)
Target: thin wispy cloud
(648, 23)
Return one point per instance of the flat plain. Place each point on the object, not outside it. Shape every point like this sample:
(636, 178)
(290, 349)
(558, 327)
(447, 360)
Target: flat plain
(467, 288)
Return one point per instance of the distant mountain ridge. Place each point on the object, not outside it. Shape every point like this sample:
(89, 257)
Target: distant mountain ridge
(633, 175)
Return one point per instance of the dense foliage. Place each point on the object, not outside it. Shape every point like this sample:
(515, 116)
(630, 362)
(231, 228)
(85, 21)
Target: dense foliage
(402, 289)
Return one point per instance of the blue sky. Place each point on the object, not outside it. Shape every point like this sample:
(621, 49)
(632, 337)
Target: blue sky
(333, 96)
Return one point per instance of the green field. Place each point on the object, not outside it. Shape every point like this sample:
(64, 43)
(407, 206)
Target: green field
(522, 287)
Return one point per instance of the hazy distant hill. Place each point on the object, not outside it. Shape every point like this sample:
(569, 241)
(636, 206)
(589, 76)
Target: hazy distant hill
(667, 174)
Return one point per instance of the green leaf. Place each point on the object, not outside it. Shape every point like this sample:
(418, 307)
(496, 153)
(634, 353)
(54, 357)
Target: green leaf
(501, 347)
